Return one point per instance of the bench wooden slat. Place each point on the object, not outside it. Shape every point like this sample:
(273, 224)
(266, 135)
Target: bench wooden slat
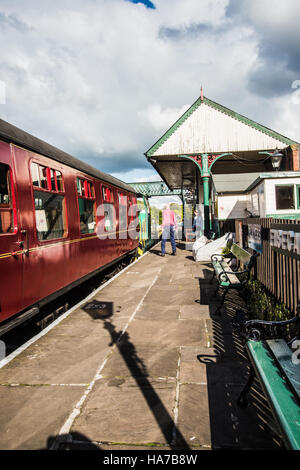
(284, 404)
(283, 355)
(241, 254)
(220, 266)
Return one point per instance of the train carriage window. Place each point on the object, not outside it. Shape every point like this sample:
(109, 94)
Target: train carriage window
(52, 180)
(130, 209)
(86, 204)
(59, 181)
(49, 206)
(35, 174)
(122, 212)
(6, 208)
(43, 177)
(108, 195)
(49, 215)
(109, 217)
(109, 209)
(46, 178)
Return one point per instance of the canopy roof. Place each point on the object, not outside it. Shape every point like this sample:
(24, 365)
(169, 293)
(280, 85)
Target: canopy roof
(208, 127)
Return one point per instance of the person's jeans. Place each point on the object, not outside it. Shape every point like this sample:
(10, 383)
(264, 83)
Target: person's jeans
(168, 232)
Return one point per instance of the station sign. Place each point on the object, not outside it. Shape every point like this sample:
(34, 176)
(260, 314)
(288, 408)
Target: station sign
(254, 237)
(285, 238)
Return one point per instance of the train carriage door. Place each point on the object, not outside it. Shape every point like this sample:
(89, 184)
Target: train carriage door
(11, 239)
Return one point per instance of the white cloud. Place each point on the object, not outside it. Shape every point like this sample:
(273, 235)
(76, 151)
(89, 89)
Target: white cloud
(161, 119)
(105, 78)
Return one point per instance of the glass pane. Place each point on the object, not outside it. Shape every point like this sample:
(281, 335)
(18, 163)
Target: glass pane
(60, 186)
(4, 185)
(6, 216)
(82, 185)
(285, 197)
(87, 215)
(53, 188)
(109, 218)
(122, 217)
(49, 215)
(107, 195)
(78, 186)
(6, 221)
(43, 177)
(35, 174)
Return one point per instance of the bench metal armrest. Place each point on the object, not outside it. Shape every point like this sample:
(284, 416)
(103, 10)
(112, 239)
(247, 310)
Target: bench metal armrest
(254, 333)
(216, 254)
(229, 255)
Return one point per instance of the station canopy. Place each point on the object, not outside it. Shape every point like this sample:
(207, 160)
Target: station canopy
(210, 128)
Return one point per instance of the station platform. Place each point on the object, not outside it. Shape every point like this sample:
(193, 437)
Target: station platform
(142, 364)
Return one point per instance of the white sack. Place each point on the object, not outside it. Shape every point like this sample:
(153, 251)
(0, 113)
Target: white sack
(203, 251)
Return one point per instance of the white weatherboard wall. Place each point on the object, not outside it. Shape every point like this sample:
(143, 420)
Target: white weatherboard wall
(271, 199)
(256, 201)
(209, 130)
(232, 206)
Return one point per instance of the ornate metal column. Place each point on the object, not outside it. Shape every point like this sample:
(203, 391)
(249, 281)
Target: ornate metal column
(204, 163)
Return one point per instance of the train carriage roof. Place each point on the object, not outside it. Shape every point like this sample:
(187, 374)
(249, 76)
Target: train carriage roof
(13, 134)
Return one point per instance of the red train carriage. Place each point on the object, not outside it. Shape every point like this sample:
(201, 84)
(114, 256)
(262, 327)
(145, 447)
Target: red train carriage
(51, 206)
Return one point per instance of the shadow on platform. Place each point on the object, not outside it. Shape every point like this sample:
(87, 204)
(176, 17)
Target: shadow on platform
(72, 441)
(104, 311)
(227, 372)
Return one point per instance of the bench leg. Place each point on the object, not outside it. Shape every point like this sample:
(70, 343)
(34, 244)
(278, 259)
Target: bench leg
(218, 311)
(243, 294)
(242, 400)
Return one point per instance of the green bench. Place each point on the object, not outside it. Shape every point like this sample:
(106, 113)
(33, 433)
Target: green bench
(277, 368)
(227, 278)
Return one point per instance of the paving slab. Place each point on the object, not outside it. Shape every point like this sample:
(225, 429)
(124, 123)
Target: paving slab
(57, 360)
(167, 295)
(194, 312)
(144, 360)
(194, 415)
(31, 415)
(158, 312)
(167, 333)
(127, 412)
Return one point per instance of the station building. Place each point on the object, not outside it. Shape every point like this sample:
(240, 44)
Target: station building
(210, 140)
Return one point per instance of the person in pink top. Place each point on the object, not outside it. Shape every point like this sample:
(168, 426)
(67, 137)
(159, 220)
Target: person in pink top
(169, 225)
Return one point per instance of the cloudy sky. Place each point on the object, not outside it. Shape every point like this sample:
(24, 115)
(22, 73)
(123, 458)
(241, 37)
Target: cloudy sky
(104, 79)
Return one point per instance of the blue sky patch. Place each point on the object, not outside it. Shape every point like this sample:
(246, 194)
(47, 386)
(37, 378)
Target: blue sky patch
(148, 3)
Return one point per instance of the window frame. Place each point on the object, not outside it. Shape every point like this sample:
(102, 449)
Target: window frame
(13, 206)
(51, 191)
(86, 180)
(298, 195)
(294, 198)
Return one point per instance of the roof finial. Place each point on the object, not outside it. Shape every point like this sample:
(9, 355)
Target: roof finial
(201, 95)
